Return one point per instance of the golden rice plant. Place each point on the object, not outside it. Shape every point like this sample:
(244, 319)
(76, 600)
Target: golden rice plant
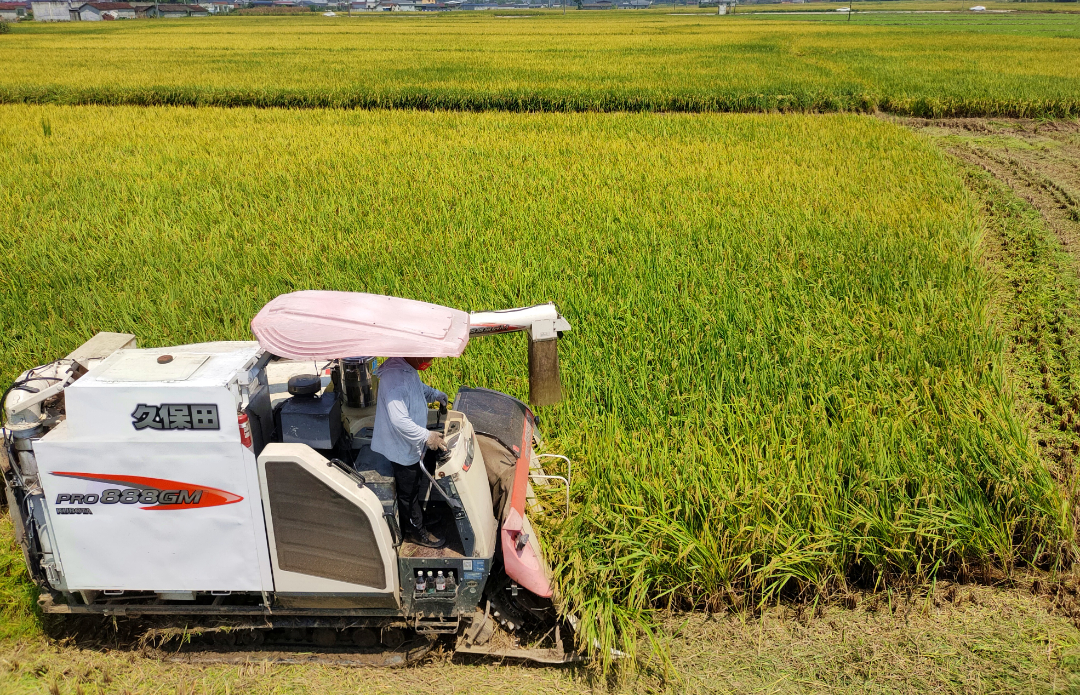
(1020, 65)
(781, 378)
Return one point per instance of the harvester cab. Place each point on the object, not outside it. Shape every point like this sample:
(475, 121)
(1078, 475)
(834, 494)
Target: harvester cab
(230, 488)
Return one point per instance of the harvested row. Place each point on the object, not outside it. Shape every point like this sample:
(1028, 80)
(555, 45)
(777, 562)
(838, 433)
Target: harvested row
(781, 377)
(920, 65)
(536, 102)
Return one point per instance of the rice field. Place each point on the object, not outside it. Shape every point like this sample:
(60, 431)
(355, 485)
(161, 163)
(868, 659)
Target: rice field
(1017, 64)
(782, 379)
(1011, 6)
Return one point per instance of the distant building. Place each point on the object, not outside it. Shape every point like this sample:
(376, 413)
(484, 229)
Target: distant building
(82, 12)
(51, 11)
(171, 11)
(12, 11)
(116, 10)
(598, 5)
(166, 11)
(98, 11)
(387, 5)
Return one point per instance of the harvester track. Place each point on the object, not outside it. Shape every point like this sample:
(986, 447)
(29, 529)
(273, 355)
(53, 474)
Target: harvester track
(348, 642)
(397, 658)
(254, 644)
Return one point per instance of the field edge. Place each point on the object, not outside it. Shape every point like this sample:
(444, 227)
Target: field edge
(545, 101)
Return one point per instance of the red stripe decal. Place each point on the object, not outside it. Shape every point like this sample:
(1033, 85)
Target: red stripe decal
(211, 497)
(521, 472)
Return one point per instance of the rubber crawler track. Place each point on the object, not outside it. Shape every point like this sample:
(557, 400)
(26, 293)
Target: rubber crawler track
(408, 654)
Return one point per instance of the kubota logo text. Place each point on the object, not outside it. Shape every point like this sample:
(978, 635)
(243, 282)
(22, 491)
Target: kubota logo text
(150, 493)
(176, 416)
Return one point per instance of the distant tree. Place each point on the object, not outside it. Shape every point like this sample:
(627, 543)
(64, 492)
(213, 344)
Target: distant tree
(577, 3)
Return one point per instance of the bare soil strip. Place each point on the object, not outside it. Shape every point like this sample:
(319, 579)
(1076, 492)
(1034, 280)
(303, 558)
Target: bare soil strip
(1026, 175)
(961, 639)
(1038, 160)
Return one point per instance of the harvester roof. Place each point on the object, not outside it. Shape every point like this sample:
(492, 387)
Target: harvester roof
(322, 324)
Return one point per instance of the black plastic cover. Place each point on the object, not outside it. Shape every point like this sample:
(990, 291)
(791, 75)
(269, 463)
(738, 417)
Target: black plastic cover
(304, 384)
(497, 415)
(312, 421)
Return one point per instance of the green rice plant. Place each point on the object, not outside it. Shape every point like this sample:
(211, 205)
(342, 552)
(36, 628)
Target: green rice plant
(1021, 65)
(19, 615)
(781, 380)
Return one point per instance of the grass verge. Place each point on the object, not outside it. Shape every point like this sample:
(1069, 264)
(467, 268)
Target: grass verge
(19, 616)
(962, 639)
(1030, 249)
(1041, 316)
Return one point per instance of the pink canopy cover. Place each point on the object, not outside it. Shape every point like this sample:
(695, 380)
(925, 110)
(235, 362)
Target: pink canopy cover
(321, 324)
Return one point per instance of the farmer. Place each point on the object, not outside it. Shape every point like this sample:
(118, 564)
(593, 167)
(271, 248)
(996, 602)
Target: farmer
(401, 434)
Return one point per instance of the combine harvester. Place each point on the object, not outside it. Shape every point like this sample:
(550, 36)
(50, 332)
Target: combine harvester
(227, 493)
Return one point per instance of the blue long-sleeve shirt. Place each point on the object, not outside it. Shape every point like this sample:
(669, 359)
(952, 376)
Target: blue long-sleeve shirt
(401, 412)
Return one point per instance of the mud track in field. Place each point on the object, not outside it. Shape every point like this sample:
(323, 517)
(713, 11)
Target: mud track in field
(1033, 252)
(1038, 160)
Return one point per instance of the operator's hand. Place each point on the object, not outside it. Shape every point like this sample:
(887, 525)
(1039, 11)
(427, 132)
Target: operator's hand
(441, 398)
(435, 441)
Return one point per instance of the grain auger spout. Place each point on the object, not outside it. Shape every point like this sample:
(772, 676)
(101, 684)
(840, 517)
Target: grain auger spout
(545, 325)
(279, 529)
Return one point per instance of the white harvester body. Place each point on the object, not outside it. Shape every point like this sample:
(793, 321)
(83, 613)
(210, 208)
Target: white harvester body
(196, 480)
(137, 431)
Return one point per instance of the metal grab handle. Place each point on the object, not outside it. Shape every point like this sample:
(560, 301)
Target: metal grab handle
(558, 456)
(537, 476)
(454, 504)
(395, 530)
